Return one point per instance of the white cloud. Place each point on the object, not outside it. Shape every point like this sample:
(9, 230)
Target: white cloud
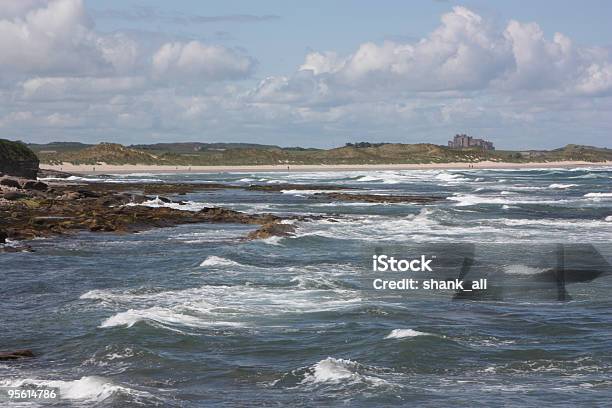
(56, 38)
(463, 53)
(467, 53)
(194, 60)
(57, 88)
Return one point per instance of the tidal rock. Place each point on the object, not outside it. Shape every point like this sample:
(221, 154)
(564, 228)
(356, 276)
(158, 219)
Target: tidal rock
(10, 182)
(272, 229)
(15, 355)
(14, 195)
(70, 196)
(3, 236)
(89, 194)
(35, 185)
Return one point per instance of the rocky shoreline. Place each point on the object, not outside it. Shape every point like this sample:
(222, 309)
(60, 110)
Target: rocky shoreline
(32, 208)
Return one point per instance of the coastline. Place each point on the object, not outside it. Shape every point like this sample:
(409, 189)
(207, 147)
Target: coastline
(139, 168)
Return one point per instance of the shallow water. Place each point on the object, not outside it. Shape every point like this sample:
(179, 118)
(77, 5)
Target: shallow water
(195, 316)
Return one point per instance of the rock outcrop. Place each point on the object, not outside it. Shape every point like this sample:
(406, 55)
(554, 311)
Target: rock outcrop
(16, 159)
(37, 209)
(15, 355)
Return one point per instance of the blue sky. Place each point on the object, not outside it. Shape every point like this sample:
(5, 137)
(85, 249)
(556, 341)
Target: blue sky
(315, 73)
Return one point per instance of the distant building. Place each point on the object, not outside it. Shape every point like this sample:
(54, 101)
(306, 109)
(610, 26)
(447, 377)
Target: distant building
(465, 142)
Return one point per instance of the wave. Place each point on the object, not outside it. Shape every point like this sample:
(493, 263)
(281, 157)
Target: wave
(369, 178)
(338, 370)
(454, 178)
(185, 205)
(314, 282)
(166, 317)
(90, 388)
(562, 186)
(213, 305)
(275, 240)
(598, 195)
(608, 218)
(403, 333)
(219, 261)
(464, 200)
(310, 192)
(519, 269)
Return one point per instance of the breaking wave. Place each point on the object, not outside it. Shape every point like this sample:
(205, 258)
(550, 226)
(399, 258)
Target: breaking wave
(338, 370)
(561, 186)
(522, 270)
(219, 261)
(403, 333)
(183, 205)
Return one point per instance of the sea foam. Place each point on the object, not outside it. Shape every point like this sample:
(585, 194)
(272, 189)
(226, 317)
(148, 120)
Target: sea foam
(219, 261)
(340, 371)
(403, 333)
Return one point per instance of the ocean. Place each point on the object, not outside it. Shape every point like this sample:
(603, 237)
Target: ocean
(197, 316)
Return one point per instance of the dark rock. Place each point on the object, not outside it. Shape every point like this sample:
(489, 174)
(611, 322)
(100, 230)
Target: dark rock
(16, 159)
(14, 355)
(35, 185)
(89, 194)
(14, 195)
(3, 236)
(10, 182)
(272, 229)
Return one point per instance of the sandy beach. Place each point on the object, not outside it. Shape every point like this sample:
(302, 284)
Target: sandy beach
(139, 168)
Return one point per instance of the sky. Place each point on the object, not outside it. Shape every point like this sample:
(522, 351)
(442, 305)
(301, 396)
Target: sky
(523, 74)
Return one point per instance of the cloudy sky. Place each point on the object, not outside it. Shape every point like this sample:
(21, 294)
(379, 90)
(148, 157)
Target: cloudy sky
(523, 74)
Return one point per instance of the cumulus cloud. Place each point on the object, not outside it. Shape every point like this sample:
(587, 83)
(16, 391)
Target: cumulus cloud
(467, 53)
(194, 60)
(57, 38)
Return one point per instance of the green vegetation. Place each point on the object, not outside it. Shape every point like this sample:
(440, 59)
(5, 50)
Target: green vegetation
(15, 151)
(211, 154)
(17, 160)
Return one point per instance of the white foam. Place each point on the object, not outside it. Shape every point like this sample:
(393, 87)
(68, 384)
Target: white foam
(274, 240)
(309, 192)
(464, 200)
(609, 218)
(522, 270)
(448, 177)
(89, 388)
(185, 206)
(598, 195)
(369, 178)
(403, 333)
(219, 261)
(562, 186)
(337, 370)
(212, 305)
(162, 316)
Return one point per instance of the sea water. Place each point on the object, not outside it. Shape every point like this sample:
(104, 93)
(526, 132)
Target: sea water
(195, 315)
